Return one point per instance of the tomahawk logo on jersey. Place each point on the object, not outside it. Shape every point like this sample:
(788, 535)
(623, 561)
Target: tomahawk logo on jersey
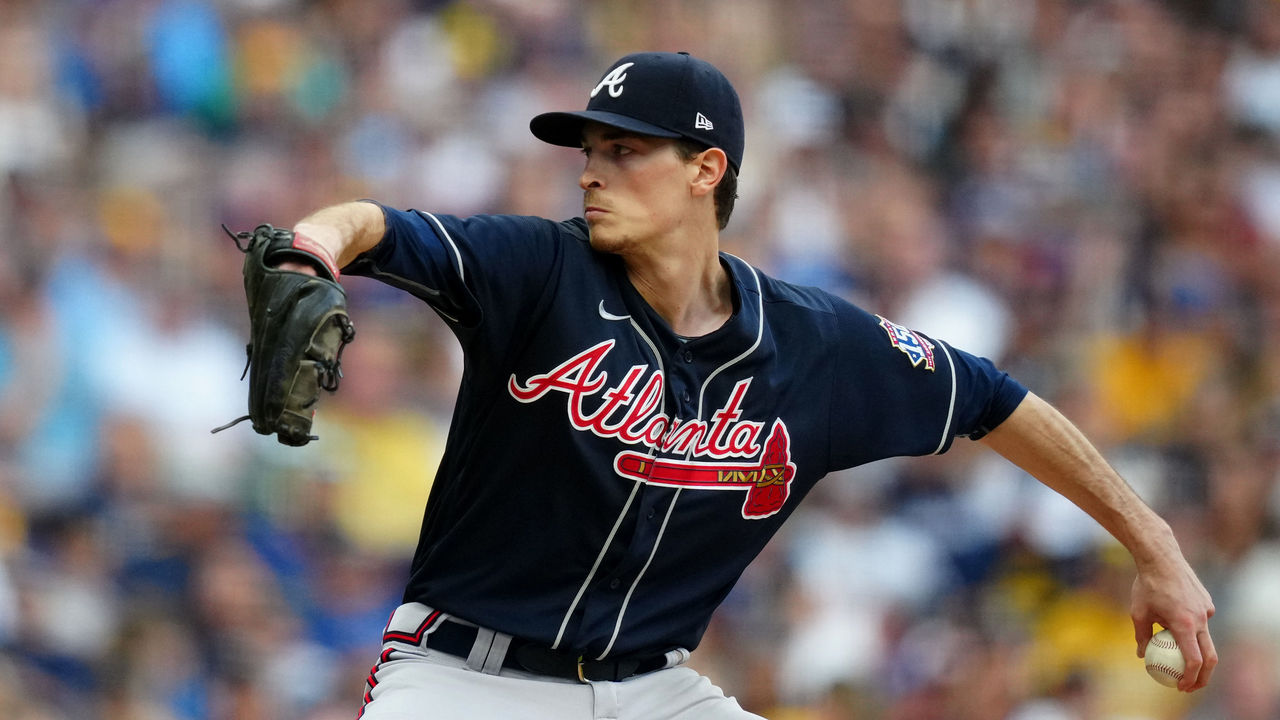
(768, 483)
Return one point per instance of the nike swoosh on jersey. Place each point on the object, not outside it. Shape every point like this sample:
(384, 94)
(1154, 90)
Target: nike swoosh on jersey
(610, 316)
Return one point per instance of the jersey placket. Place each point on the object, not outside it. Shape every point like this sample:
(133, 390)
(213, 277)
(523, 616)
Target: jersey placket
(605, 608)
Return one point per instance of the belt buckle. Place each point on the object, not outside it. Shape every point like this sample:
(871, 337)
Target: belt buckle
(582, 678)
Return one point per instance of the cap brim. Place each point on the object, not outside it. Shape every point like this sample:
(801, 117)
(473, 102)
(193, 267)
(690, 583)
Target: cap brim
(565, 128)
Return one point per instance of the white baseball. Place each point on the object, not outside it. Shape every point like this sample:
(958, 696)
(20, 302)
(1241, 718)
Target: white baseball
(1164, 659)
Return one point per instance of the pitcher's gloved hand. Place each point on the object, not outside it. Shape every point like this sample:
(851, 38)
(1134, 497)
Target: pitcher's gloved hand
(298, 327)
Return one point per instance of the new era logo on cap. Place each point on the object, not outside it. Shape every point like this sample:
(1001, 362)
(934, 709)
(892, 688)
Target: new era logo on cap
(671, 95)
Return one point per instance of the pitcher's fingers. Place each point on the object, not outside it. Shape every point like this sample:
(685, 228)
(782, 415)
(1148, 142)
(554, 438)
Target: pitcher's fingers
(1184, 634)
(1209, 655)
(1142, 634)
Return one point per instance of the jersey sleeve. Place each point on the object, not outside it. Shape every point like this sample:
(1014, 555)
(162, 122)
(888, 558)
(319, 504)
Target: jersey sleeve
(918, 392)
(467, 269)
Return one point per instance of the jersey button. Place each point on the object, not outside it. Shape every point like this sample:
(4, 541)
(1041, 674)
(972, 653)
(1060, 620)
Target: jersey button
(685, 396)
(688, 356)
(614, 584)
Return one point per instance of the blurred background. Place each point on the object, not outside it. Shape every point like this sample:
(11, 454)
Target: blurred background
(1086, 191)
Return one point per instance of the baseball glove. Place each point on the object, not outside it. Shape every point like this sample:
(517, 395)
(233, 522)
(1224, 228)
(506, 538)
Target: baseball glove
(298, 326)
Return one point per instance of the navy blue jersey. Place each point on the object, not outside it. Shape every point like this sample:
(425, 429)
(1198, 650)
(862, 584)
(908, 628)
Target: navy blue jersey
(605, 481)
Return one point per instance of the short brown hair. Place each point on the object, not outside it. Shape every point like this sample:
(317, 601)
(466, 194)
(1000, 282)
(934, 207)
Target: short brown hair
(726, 192)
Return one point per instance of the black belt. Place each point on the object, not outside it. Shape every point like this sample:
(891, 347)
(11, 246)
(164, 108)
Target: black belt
(457, 639)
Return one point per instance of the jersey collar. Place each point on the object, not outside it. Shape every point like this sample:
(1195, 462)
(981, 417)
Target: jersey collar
(740, 334)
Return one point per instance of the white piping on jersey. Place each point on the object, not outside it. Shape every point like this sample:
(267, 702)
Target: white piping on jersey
(951, 408)
(449, 239)
(617, 627)
(625, 507)
(599, 559)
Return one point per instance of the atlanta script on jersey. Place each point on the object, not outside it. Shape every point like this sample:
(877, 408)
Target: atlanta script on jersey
(605, 481)
(630, 412)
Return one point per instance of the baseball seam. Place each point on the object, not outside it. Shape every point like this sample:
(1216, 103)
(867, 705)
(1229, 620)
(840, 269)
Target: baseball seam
(1166, 670)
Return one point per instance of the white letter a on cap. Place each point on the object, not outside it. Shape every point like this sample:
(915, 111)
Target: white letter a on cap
(613, 80)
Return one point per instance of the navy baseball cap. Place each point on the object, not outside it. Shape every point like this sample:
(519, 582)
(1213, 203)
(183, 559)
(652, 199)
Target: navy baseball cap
(671, 95)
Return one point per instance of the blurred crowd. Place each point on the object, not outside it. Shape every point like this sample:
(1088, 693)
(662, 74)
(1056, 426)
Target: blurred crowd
(1086, 191)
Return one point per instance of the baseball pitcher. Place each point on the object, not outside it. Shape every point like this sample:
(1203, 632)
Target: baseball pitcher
(638, 415)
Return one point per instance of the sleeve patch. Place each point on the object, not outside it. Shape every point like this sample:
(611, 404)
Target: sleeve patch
(917, 349)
